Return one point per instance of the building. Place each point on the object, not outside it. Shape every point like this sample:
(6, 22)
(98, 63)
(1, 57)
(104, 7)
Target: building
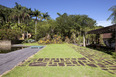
(108, 33)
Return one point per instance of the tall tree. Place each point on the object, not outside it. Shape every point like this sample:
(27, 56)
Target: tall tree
(37, 15)
(17, 12)
(85, 24)
(113, 15)
(20, 13)
(67, 24)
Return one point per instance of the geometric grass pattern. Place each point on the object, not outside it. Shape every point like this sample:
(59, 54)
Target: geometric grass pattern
(109, 65)
(98, 58)
(91, 58)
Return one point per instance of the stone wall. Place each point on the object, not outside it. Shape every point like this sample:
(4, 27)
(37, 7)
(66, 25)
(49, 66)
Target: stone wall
(5, 42)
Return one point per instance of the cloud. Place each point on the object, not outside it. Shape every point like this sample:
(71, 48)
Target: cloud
(104, 23)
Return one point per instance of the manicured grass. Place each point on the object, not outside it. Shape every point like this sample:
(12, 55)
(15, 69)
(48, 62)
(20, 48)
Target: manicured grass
(30, 44)
(58, 51)
(58, 72)
(98, 53)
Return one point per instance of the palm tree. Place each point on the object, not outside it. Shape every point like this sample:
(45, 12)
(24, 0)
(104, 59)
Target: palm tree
(36, 14)
(17, 12)
(46, 16)
(20, 14)
(113, 15)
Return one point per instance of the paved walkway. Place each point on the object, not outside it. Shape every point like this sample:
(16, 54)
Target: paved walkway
(9, 60)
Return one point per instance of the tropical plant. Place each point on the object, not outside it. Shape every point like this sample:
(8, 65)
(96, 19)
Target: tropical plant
(113, 15)
(17, 12)
(45, 16)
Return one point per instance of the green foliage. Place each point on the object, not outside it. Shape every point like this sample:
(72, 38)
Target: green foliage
(113, 15)
(9, 34)
(101, 40)
(72, 26)
(73, 38)
(79, 40)
(46, 27)
(91, 38)
(42, 29)
(67, 24)
(22, 18)
(114, 55)
(67, 40)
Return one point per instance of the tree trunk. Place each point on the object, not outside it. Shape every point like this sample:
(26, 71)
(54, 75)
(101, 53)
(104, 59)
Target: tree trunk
(74, 36)
(36, 29)
(48, 36)
(84, 39)
(27, 35)
(115, 41)
(18, 20)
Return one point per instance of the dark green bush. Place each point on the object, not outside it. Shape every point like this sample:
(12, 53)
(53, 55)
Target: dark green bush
(9, 34)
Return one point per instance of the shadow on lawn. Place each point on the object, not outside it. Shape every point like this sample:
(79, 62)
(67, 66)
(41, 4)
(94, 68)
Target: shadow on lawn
(104, 49)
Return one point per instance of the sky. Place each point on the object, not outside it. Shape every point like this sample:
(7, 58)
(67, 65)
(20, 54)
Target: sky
(96, 9)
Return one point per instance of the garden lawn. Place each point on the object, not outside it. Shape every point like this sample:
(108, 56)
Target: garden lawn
(30, 44)
(57, 51)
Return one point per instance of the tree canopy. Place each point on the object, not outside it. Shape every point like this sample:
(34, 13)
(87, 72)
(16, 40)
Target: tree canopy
(40, 24)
